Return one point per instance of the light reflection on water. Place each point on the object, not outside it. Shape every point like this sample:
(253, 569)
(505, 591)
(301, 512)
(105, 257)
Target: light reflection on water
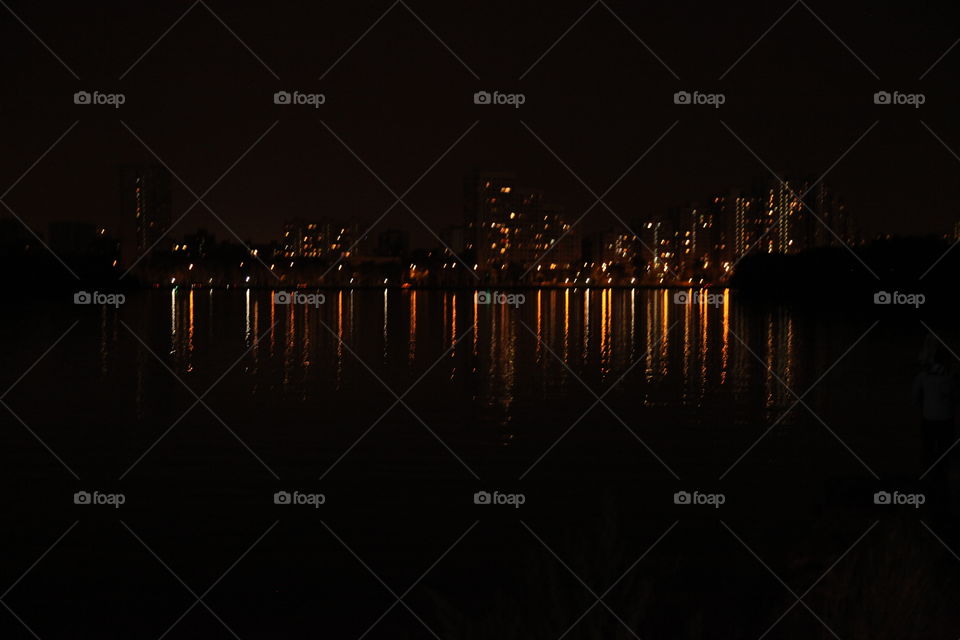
(495, 358)
(603, 323)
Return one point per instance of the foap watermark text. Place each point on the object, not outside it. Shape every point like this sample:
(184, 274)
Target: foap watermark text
(697, 98)
(897, 498)
(511, 99)
(299, 297)
(97, 98)
(498, 297)
(512, 499)
(698, 297)
(109, 299)
(898, 298)
(700, 499)
(298, 498)
(897, 98)
(298, 98)
(97, 498)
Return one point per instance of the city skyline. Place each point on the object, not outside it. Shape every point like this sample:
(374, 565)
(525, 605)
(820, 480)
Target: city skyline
(509, 320)
(504, 224)
(280, 161)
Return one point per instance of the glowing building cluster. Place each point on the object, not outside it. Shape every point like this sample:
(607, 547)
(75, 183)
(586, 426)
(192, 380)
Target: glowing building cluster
(146, 197)
(507, 224)
(323, 238)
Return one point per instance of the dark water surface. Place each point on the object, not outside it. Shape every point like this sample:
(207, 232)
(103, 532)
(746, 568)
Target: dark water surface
(696, 398)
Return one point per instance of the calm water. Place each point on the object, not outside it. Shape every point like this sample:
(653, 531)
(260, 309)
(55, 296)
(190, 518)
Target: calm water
(493, 376)
(493, 397)
(499, 382)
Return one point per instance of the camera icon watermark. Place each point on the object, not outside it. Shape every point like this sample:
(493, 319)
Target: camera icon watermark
(897, 298)
(514, 500)
(297, 98)
(108, 299)
(299, 297)
(697, 98)
(897, 498)
(698, 297)
(696, 498)
(297, 498)
(512, 99)
(497, 297)
(96, 98)
(115, 500)
(896, 98)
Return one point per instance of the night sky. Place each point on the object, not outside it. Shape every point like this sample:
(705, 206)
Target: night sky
(599, 99)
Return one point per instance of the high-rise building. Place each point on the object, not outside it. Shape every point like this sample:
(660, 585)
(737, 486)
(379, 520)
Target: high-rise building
(781, 205)
(561, 238)
(323, 238)
(146, 196)
(747, 222)
(708, 256)
(511, 225)
(488, 198)
(787, 216)
(658, 242)
(716, 230)
(611, 247)
(393, 243)
(687, 231)
(834, 225)
(801, 212)
(198, 244)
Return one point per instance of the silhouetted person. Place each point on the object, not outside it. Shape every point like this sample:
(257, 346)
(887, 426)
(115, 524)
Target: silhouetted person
(937, 392)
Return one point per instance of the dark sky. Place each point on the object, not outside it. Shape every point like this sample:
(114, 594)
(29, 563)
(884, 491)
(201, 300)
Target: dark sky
(599, 99)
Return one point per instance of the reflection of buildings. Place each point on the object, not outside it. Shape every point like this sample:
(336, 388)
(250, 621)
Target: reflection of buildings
(511, 225)
(145, 193)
